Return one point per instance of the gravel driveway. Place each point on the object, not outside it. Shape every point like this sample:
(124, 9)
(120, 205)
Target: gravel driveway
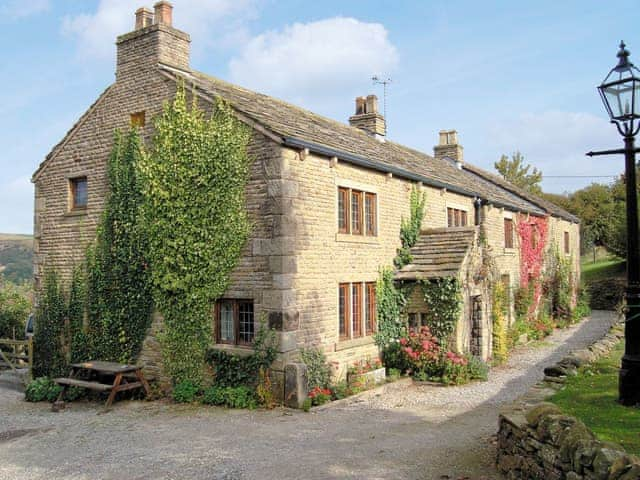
(399, 431)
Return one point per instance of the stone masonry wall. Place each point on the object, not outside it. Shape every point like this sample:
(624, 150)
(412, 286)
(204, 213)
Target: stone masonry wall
(537, 441)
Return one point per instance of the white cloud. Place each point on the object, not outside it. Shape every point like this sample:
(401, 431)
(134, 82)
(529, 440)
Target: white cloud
(555, 142)
(211, 23)
(313, 62)
(15, 9)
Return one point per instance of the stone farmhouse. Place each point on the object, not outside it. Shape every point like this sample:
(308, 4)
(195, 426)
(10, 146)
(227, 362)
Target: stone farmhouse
(326, 200)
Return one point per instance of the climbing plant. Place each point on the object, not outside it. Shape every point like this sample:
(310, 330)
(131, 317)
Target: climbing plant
(410, 228)
(532, 234)
(118, 288)
(499, 314)
(559, 287)
(443, 298)
(79, 345)
(49, 356)
(389, 302)
(195, 219)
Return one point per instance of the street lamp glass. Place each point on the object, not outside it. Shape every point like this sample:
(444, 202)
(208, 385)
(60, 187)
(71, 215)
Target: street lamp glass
(620, 91)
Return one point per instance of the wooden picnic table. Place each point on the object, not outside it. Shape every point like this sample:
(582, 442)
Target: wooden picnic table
(88, 375)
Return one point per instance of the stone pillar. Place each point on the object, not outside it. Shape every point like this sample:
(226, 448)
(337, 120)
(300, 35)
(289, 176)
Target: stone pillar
(295, 385)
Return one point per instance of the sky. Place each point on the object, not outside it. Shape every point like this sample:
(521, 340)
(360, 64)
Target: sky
(508, 76)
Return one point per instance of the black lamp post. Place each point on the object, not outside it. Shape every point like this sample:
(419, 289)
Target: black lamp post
(620, 94)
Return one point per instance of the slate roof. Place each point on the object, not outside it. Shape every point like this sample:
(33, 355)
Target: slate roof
(439, 252)
(301, 128)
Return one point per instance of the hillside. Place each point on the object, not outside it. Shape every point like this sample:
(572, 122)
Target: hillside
(16, 256)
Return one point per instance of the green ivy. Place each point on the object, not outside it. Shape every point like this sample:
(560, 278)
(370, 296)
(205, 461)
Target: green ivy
(231, 370)
(48, 356)
(78, 339)
(118, 288)
(443, 298)
(390, 301)
(196, 222)
(410, 228)
(14, 309)
(499, 314)
(318, 370)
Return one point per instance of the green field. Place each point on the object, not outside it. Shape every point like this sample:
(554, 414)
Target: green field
(604, 268)
(591, 396)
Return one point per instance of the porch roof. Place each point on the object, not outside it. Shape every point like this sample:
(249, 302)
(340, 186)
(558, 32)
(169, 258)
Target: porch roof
(439, 252)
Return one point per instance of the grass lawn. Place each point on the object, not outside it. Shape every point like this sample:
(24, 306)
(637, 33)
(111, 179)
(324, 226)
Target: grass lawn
(591, 396)
(606, 268)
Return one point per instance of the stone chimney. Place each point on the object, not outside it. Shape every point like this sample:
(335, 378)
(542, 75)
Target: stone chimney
(368, 118)
(153, 41)
(449, 147)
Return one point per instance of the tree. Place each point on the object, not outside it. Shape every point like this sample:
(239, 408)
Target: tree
(517, 172)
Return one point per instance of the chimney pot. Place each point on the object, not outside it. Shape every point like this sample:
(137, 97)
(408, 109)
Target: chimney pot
(372, 104)
(144, 18)
(449, 147)
(163, 12)
(361, 105)
(368, 118)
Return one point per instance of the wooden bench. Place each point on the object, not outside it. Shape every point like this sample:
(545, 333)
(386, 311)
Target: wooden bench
(125, 377)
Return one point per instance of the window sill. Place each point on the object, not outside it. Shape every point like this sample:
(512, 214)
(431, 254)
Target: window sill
(349, 238)
(239, 350)
(509, 251)
(78, 212)
(356, 342)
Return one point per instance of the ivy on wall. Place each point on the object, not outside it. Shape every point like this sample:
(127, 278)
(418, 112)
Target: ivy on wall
(48, 351)
(195, 219)
(390, 298)
(410, 228)
(499, 314)
(532, 234)
(443, 298)
(118, 289)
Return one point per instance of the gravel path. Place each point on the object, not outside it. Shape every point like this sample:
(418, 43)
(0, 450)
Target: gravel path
(399, 431)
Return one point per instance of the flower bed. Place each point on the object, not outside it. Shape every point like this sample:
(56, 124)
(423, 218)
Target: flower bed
(366, 374)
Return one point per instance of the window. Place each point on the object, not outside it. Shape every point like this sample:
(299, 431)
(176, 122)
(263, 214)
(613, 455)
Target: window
(456, 217)
(343, 210)
(343, 311)
(137, 119)
(508, 233)
(414, 321)
(567, 245)
(370, 213)
(79, 193)
(356, 309)
(357, 212)
(235, 322)
(370, 308)
(534, 236)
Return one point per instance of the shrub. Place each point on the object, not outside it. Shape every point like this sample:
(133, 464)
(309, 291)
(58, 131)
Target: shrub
(14, 309)
(42, 388)
(232, 397)
(393, 374)
(185, 392)
(340, 390)
(363, 366)
(233, 370)
(582, 306)
(606, 294)
(264, 391)
(394, 358)
(318, 370)
(454, 369)
(320, 396)
(523, 299)
(421, 352)
(478, 370)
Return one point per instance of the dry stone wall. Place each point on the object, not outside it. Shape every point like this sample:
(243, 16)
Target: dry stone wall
(537, 441)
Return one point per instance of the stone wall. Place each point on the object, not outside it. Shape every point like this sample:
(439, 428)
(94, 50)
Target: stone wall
(537, 441)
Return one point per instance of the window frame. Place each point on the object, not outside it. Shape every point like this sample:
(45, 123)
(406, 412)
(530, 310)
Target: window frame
(508, 233)
(356, 310)
(235, 308)
(567, 243)
(138, 119)
(366, 218)
(457, 217)
(371, 312)
(345, 289)
(73, 193)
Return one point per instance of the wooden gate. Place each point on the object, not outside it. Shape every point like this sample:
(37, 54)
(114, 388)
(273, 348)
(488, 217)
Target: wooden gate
(16, 354)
